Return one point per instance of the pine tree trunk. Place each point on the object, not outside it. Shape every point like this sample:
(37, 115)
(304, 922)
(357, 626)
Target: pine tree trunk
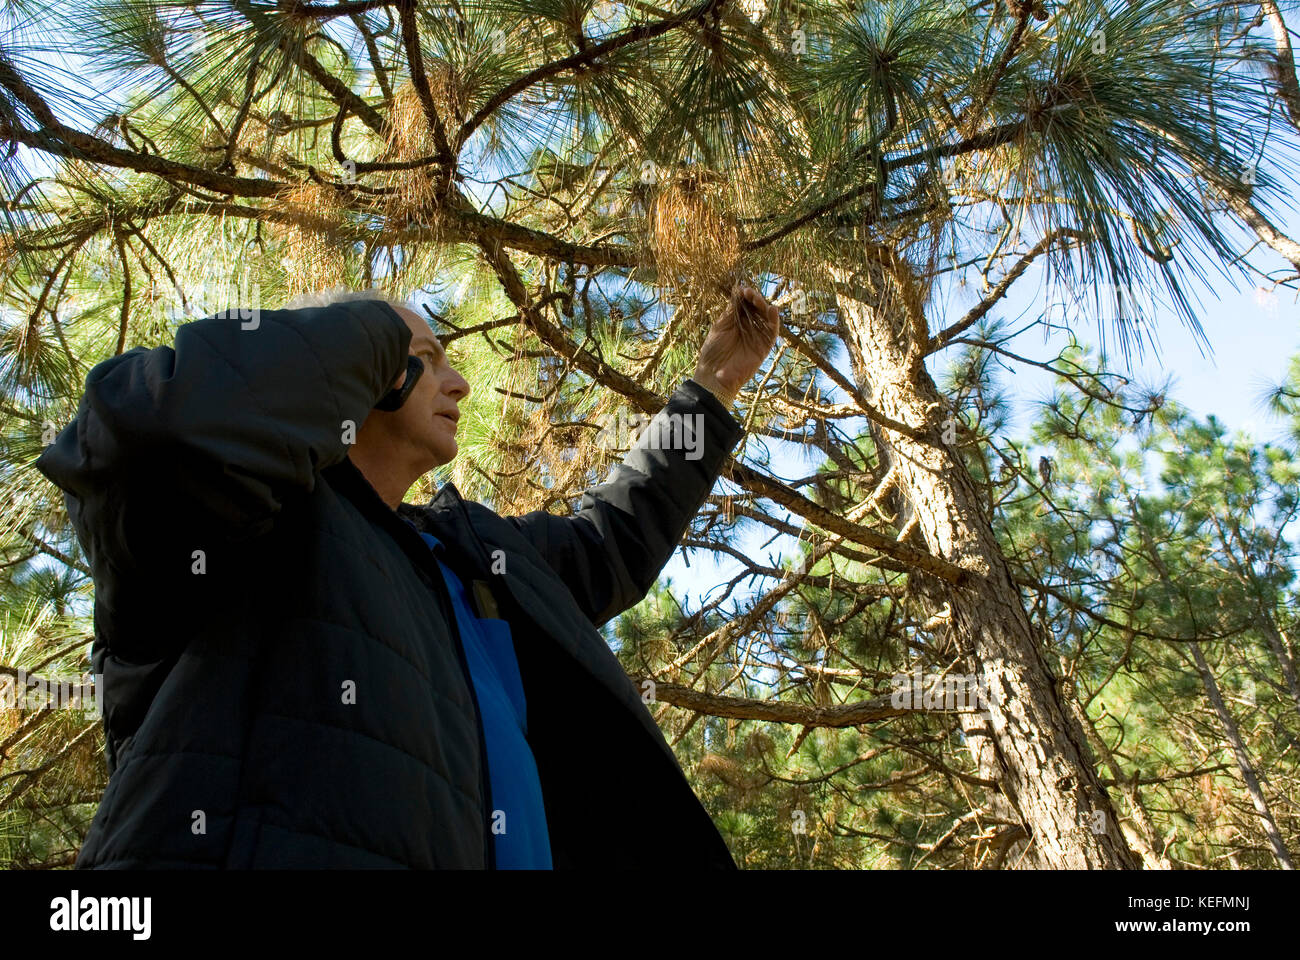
(1026, 741)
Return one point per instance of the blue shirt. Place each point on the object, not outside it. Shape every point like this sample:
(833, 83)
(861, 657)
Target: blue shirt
(518, 817)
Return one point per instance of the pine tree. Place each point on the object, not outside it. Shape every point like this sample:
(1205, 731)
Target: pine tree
(577, 185)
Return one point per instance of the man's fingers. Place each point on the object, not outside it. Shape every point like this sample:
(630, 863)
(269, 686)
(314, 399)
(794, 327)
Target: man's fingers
(764, 310)
(771, 311)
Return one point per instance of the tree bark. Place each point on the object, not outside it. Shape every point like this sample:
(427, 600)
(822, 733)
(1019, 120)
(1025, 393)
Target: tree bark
(1283, 65)
(1026, 740)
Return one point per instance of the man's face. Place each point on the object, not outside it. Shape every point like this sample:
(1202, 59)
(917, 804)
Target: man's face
(426, 423)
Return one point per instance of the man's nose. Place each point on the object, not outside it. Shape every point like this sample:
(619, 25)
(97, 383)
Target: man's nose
(459, 386)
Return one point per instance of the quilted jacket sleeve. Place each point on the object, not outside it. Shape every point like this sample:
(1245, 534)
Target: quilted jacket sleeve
(611, 551)
(216, 431)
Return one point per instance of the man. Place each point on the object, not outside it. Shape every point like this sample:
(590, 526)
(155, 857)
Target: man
(303, 671)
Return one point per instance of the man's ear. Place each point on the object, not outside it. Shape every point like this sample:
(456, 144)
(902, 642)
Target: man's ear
(394, 398)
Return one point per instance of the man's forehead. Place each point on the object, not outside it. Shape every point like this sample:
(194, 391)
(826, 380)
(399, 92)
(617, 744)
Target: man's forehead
(420, 332)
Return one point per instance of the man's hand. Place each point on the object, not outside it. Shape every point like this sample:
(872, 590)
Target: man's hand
(737, 343)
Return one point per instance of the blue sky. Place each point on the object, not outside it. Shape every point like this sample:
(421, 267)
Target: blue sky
(1252, 332)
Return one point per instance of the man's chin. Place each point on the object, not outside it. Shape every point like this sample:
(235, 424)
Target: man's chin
(444, 453)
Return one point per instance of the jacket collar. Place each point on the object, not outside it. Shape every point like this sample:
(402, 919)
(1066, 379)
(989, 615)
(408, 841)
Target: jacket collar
(446, 518)
(346, 478)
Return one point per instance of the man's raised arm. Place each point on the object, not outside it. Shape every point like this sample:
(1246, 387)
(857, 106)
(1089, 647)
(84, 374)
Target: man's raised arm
(611, 551)
(228, 422)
